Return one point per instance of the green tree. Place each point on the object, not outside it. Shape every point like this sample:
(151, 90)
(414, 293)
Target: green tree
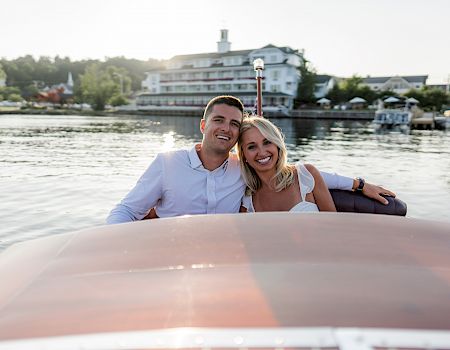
(135, 68)
(336, 94)
(430, 98)
(8, 92)
(350, 88)
(306, 85)
(99, 85)
(435, 98)
(15, 98)
(2, 73)
(118, 100)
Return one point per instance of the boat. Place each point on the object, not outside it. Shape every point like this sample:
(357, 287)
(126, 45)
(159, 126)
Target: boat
(391, 118)
(235, 281)
(442, 122)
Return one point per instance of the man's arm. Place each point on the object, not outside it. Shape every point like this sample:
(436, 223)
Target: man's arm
(144, 196)
(335, 181)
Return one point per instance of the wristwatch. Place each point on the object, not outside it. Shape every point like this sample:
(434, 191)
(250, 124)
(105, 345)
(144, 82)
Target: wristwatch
(361, 184)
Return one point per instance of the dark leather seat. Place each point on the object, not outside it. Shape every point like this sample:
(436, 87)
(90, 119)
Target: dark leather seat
(356, 202)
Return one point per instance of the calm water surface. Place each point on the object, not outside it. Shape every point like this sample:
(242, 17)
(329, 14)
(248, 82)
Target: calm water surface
(63, 173)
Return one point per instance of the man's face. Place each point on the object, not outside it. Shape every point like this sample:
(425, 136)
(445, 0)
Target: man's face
(221, 129)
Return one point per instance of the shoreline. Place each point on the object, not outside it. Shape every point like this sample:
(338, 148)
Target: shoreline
(295, 114)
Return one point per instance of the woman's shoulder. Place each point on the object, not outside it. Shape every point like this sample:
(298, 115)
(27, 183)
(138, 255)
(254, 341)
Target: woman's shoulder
(307, 174)
(312, 169)
(301, 167)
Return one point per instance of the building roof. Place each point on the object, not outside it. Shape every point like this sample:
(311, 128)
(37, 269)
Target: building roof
(323, 78)
(285, 49)
(212, 54)
(411, 79)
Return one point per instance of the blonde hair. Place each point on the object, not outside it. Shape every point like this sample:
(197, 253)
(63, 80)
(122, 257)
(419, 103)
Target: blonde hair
(284, 173)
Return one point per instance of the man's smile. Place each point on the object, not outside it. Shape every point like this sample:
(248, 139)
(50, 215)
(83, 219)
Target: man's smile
(223, 137)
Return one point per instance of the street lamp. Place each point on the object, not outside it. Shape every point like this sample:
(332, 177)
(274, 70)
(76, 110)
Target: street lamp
(258, 66)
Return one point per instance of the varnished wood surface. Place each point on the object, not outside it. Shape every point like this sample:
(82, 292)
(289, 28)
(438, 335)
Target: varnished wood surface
(242, 270)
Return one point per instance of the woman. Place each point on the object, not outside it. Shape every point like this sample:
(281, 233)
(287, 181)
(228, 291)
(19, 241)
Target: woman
(272, 183)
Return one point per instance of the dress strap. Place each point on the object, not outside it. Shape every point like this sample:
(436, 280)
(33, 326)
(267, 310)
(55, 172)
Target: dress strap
(247, 203)
(305, 180)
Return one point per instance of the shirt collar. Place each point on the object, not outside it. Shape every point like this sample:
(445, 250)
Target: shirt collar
(195, 159)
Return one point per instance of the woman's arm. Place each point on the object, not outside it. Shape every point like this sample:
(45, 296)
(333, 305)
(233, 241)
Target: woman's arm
(320, 191)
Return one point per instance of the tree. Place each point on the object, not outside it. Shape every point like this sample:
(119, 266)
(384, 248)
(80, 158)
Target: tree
(2, 73)
(306, 85)
(118, 100)
(15, 98)
(435, 98)
(99, 85)
(430, 98)
(350, 88)
(336, 94)
(8, 92)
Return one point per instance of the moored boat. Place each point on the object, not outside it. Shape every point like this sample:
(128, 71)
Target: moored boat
(390, 118)
(442, 122)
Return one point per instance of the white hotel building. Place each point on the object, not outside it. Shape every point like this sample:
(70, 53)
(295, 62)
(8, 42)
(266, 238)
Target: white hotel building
(192, 80)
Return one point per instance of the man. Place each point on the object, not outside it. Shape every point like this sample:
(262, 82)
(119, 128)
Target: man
(206, 179)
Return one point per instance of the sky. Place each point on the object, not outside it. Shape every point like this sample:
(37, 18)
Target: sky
(339, 37)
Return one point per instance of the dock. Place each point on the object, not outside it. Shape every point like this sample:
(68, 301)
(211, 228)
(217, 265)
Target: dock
(423, 123)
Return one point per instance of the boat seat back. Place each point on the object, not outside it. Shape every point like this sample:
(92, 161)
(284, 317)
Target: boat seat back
(355, 202)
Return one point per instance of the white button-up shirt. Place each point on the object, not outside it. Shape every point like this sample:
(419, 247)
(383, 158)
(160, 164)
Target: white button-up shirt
(176, 183)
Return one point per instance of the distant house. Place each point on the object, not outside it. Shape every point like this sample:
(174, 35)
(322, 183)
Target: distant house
(397, 84)
(59, 93)
(443, 87)
(324, 83)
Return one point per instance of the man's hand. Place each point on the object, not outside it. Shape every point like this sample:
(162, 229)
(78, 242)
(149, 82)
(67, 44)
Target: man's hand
(375, 192)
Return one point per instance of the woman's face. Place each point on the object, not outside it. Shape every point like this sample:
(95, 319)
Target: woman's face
(260, 153)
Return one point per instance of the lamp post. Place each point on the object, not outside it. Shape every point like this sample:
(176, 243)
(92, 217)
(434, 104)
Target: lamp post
(258, 66)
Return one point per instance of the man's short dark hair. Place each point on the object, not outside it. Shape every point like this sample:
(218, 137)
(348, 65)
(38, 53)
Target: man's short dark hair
(226, 100)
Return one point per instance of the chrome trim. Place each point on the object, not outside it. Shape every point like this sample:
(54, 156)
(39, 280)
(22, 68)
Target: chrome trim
(241, 338)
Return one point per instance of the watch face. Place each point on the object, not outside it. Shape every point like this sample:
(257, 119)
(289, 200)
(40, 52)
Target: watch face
(361, 184)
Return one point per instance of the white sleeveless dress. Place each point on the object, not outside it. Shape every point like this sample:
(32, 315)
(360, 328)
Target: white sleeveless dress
(306, 183)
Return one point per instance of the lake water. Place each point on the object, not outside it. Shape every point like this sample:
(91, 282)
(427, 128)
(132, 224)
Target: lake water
(64, 173)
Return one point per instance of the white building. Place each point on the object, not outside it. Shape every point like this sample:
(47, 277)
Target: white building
(192, 80)
(324, 83)
(397, 84)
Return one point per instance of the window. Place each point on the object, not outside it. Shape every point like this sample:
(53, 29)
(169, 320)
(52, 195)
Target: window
(275, 75)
